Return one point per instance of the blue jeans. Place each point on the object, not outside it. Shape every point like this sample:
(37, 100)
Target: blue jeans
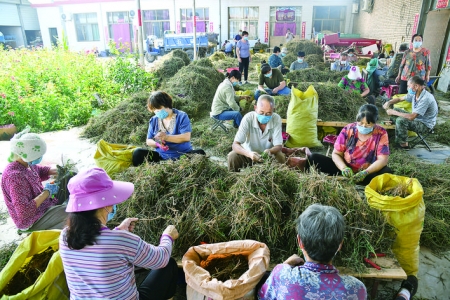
(230, 115)
(284, 91)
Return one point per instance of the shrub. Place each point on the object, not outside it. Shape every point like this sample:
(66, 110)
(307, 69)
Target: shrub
(54, 89)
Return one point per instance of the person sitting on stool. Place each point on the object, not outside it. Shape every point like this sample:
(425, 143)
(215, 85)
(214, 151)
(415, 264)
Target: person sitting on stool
(423, 116)
(274, 80)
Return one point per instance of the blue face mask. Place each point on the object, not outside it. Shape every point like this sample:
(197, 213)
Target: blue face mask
(268, 75)
(162, 114)
(364, 130)
(235, 83)
(246, 38)
(300, 60)
(411, 92)
(112, 214)
(35, 162)
(263, 119)
(283, 54)
(392, 56)
(417, 44)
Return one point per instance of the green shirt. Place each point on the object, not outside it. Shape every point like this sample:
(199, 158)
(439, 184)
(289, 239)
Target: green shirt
(273, 81)
(224, 99)
(358, 86)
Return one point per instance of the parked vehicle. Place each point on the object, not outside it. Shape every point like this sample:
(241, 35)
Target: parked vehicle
(183, 41)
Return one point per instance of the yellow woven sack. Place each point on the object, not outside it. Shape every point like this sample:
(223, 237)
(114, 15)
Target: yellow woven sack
(405, 214)
(51, 284)
(302, 118)
(113, 158)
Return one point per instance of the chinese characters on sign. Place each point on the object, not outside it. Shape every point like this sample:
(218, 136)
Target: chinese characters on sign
(416, 22)
(303, 30)
(266, 32)
(448, 55)
(178, 27)
(442, 4)
(211, 27)
(286, 15)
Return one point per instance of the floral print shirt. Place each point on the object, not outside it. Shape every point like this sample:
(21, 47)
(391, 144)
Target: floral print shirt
(20, 185)
(311, 281)
(415, 63)
(358, 86)
(359, 155)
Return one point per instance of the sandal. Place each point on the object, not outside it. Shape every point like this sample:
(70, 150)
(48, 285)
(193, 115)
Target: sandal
(410, 284)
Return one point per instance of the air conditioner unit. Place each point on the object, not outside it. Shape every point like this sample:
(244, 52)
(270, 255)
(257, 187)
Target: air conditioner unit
(66, 16)
(367, 5)
(355, 8)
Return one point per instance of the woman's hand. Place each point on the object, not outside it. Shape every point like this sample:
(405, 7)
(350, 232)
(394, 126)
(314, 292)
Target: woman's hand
(160, 136)
(397, 79)
(347, 172)
(427, 78)
(172, 232)
(294, 260)
(128, 224)
(239, 59)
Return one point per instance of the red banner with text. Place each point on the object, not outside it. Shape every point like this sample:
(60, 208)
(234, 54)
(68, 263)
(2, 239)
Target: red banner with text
(303, 30)
(442, 4)
(266, 32)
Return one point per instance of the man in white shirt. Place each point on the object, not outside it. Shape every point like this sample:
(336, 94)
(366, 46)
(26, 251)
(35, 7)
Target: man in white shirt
(259, 136)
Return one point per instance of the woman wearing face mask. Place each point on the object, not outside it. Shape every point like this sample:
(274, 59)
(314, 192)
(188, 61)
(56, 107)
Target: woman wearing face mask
(225, 105)
(300, 64)
(361, 150)
(99, 262)
(169, 131)
(415, 61)
(243, 55)
(31, 205)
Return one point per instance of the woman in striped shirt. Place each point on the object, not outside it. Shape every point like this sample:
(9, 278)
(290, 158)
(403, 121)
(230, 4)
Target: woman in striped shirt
(99, 262)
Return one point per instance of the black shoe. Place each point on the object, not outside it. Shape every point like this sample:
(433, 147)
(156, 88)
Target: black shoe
(411, 283)
(400, 147)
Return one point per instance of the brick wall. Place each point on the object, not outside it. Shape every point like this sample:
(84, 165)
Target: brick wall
(391, 21)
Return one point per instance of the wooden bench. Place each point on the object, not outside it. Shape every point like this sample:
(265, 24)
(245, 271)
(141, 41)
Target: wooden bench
(390, 270)
(338, 124)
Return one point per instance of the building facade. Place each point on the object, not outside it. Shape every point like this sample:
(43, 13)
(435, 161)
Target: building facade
(90, 24)
(19, 25)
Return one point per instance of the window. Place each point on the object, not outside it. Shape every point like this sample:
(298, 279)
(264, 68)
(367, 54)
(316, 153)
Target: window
(87, 27)
(202, 15)
(120, 28)
(284, 18)
(155, 22)
(245, 18)
(329, 18)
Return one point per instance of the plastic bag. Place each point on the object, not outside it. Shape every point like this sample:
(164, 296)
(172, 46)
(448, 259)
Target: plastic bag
(113, 158)
(199, 281)
(51, 284)
(405, 214)
(302, 119)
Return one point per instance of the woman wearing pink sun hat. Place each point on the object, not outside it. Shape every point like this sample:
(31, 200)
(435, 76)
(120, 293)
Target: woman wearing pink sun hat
(99, 262)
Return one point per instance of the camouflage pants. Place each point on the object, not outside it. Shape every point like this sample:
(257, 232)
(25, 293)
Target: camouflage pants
(402, 126)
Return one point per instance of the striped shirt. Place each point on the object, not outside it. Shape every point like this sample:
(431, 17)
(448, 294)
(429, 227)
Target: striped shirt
(105, 270)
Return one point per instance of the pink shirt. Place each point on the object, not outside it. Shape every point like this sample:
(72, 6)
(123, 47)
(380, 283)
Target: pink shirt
(20, 185)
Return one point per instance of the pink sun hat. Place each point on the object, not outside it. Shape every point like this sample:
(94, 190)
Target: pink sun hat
(92, 189)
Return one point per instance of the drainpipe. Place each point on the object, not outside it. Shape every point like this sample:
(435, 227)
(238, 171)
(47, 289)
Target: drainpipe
(220, 23)
(24, 36)
(194, 30)
(140, 40)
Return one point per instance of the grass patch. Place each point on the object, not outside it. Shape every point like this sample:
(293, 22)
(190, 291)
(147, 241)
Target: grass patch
(314, 75)
(435, 180)
(125, 124)
(6, 252)
(209, 204)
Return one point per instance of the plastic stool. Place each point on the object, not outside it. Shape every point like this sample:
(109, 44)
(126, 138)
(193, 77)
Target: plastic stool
(390, 91)
(218, 123)
(330, 140)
